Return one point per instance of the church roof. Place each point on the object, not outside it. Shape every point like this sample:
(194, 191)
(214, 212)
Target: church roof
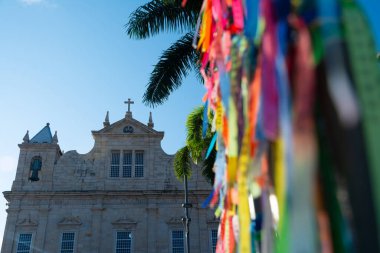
(43, 136)
(114, 128)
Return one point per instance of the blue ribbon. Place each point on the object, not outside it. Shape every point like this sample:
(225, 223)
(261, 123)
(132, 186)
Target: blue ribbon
(205, 120)
(212, 144)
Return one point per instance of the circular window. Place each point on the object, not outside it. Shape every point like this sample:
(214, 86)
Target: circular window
(128, 129)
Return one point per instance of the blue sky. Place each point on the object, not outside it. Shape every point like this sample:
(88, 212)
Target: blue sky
(68, 62)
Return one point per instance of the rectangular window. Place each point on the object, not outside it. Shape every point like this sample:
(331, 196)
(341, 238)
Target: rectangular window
(115, 163)
(127, 163)
(177, 241)
(214, 239)
(67, 243)
(24, 242)
(123, 242)
(139, 164)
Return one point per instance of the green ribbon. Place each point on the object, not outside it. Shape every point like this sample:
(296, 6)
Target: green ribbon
(366, 77)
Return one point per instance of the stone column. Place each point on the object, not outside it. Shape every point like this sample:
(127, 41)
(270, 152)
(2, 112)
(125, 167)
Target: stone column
(39, 242)
(10, 229)
(96, 228)
(151, 227)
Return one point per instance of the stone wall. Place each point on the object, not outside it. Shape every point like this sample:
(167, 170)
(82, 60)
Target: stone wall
(95, 217)
(75, 193)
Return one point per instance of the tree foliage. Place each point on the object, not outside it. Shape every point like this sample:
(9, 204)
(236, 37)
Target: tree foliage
(173, 65)
(196, 146)
(159, 16)
(175, 62)
(182, 163)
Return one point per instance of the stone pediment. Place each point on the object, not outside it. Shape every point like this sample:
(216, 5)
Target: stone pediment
(174, 220)
(27, 222)
(123, 221)
(127, 127)
(70, 220)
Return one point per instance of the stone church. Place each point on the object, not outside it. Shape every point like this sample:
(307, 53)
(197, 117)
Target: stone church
(120, 197)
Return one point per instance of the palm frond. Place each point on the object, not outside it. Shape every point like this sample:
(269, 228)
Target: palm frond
(197, 145)
(194, 138)
(173, 65)
(182, 163)
(194, 126)
(157, 16)
(207, 167)
(197, 66)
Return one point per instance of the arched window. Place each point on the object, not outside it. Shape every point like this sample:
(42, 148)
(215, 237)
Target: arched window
(35, 166)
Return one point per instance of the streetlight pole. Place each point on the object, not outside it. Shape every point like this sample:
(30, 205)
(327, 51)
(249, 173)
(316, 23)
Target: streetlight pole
(186, 220)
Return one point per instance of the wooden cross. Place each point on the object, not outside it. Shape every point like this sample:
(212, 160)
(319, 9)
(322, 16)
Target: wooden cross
(129, 102)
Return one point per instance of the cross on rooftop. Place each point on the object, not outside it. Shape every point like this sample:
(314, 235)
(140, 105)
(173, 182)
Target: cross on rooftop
(129, 102)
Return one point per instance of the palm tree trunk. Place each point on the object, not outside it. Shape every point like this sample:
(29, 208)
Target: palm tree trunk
(187, 219)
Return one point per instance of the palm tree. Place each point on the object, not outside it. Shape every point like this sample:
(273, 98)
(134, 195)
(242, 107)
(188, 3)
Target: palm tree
(175, 63)
(195, 148)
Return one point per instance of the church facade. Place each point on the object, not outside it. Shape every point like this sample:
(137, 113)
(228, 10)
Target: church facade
(120, 197)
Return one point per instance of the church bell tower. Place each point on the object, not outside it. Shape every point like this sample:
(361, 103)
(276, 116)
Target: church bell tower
(36, 161)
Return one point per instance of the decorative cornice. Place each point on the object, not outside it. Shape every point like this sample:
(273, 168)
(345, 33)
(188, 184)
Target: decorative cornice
(134, 135)
(19, 195)
(12, 210)
(70, 220)
(38, 145)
